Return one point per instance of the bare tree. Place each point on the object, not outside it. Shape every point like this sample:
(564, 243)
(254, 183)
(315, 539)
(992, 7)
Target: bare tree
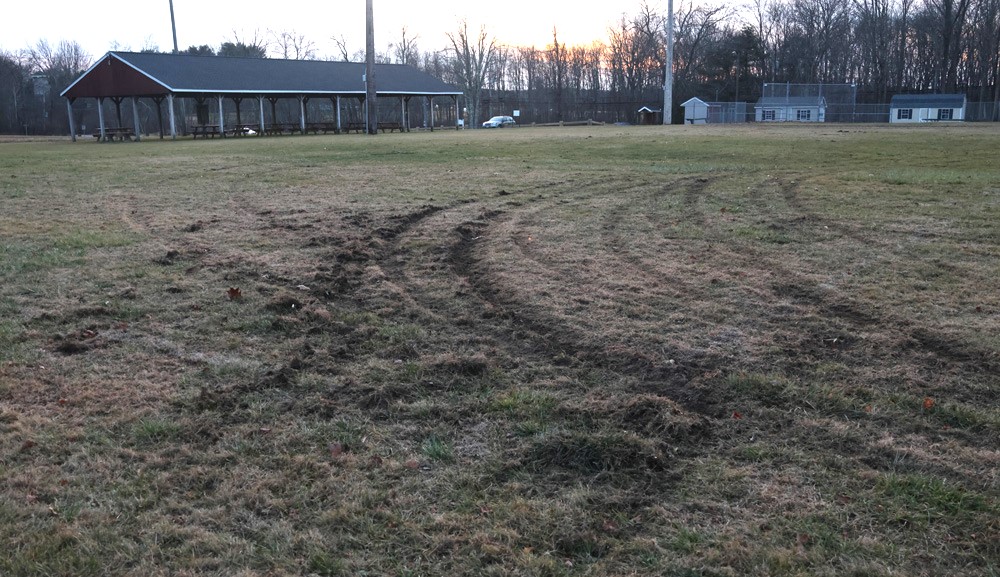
(471, 60)
(558, 63)
(53, 68)
(952, 14)
(344, 54)
(248, 47)
(406, 51)
(294, 46)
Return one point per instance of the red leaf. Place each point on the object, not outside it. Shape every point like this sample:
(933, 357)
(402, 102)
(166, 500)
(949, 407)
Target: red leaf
(235, 293)
(737, 415)
(928, 403)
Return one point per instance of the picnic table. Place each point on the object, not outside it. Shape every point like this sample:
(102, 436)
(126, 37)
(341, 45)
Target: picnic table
(121, 133)
(282, 128)
(325, 127)
(360, 127)
(205, 130)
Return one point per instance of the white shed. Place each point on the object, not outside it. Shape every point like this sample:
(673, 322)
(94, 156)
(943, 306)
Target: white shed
(906, 108)
(695, 111)
(791, 109)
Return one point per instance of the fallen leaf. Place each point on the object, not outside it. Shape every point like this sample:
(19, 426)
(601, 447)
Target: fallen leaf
(737, 415)
(235, 293)
(928, 403)
(412, 464)
(336, 449)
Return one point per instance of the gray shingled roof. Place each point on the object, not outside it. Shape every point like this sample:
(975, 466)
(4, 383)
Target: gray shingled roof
(928, 101)
(181, 73)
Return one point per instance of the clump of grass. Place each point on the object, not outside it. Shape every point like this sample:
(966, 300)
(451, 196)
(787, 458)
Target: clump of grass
(438, 450)
(152, 431)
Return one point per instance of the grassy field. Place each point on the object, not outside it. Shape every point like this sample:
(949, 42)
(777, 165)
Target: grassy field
(595, 351)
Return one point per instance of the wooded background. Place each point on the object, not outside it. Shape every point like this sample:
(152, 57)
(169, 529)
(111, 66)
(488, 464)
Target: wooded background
(883, 47)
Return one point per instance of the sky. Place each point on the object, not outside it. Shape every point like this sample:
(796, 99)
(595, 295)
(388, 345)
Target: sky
(102, 25)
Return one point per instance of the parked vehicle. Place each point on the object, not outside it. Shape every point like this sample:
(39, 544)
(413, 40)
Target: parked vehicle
(499, 122)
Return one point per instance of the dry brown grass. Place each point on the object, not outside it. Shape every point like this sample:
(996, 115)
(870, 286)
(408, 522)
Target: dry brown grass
(607, 351)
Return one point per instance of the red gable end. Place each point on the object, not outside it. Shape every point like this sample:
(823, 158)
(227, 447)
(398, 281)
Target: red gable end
(112, 77)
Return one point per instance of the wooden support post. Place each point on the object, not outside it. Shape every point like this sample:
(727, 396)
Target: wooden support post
(100, 119)
(458, 114)
(69, 114)
(406, 113)
(302, 113)
(135, 120)
(222, 118)
(260, 103)
(339, 128)
(402, 114)
(430, 107)
(173, 119)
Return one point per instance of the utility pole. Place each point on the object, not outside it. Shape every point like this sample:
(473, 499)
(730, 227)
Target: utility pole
(371, 105)
(668, 84)
(173, 26)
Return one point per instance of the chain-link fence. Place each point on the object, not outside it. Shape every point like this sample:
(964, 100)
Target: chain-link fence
(726, 112)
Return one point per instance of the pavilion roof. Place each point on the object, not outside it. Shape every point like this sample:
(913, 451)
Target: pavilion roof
(152, 74)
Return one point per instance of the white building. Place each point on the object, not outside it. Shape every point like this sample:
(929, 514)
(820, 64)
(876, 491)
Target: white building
(695, 111)
(906, 108)
(791, 109)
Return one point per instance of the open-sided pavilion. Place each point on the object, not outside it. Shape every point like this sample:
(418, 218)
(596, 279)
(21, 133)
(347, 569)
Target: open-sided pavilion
(211, 80)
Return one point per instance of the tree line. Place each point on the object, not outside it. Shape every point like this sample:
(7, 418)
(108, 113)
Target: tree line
(721, 53)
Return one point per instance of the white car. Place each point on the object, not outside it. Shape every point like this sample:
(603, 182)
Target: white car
(499, 122)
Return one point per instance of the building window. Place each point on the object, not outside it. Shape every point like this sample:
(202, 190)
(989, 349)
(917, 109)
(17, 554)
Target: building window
(768, 115)
(803, 115)
(944, 113)
(904, 114)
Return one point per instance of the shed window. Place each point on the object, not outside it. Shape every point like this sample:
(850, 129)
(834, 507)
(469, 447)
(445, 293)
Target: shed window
(904, 114)
(768, 115)
(944, 113)
(805, 115)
